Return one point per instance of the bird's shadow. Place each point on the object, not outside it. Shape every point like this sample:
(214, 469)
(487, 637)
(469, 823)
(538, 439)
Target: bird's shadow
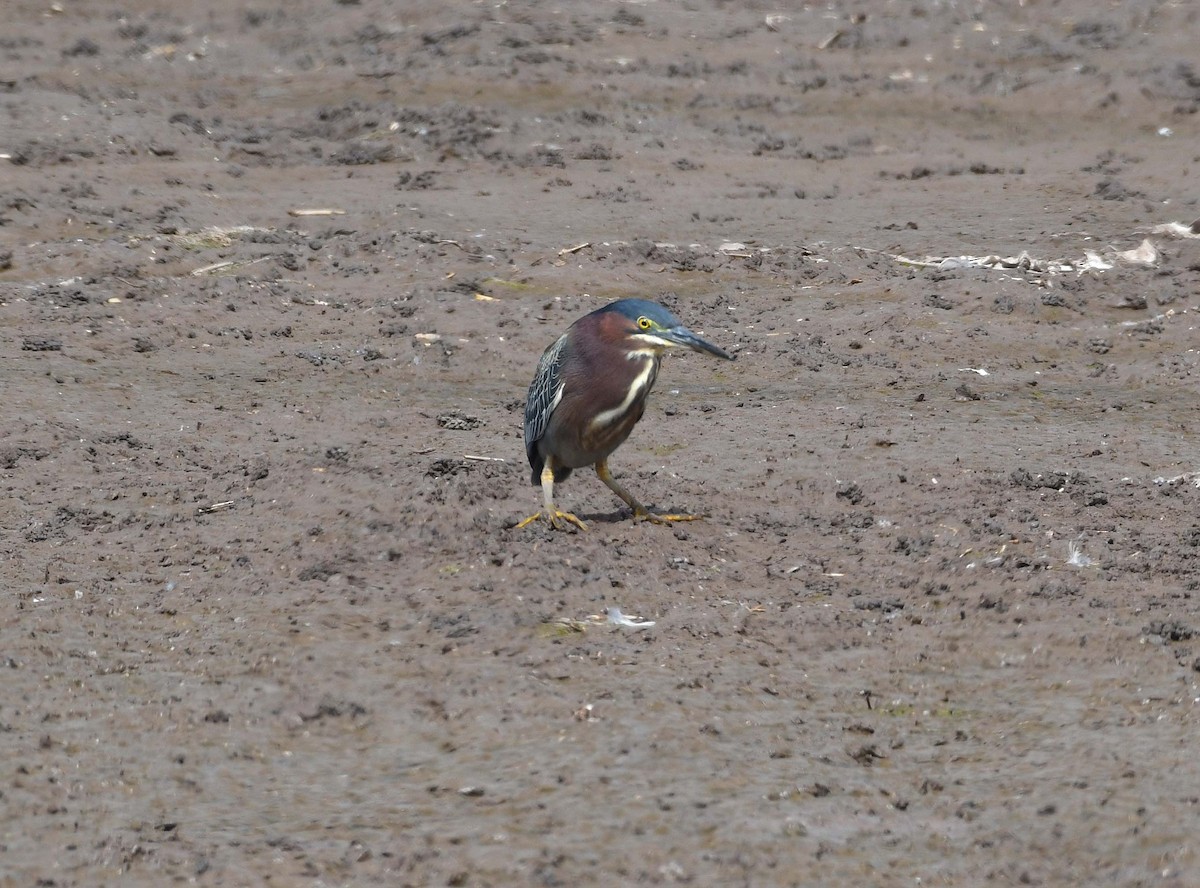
(614, 517)
(608, 519)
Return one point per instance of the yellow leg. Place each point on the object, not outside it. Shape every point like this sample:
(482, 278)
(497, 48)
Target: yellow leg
(558, 519)
(639, 511)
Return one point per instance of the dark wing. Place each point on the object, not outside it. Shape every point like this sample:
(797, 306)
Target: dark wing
(544, 394)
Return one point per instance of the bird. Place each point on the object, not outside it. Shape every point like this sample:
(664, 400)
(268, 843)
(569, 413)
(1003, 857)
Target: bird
(590, 390)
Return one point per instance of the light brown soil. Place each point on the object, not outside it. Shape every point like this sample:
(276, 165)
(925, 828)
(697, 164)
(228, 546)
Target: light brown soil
(266, 618)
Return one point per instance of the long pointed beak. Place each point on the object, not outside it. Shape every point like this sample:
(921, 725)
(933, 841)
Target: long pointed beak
(684, 337)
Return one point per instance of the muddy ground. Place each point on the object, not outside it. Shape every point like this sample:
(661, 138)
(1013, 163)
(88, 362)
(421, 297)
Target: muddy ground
(266, 618)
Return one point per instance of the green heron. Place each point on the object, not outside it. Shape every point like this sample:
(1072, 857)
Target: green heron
(590, 390)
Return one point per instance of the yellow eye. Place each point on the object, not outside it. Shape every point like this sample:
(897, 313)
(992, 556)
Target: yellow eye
(644, 323)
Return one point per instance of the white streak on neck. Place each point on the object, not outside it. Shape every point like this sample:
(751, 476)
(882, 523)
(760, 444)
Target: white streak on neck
(635, 391)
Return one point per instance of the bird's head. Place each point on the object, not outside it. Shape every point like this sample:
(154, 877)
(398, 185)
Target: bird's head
(645, 326)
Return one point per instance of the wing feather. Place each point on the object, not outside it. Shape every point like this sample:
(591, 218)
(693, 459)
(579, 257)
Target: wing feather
(545, 393)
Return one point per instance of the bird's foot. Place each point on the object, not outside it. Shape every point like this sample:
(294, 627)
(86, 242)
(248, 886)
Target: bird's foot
(557, 517)
(647, 515)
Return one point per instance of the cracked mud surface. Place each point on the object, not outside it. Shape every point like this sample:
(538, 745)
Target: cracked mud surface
(266, 617)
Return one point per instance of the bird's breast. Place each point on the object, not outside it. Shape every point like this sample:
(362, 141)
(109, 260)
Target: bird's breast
(611, 426)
